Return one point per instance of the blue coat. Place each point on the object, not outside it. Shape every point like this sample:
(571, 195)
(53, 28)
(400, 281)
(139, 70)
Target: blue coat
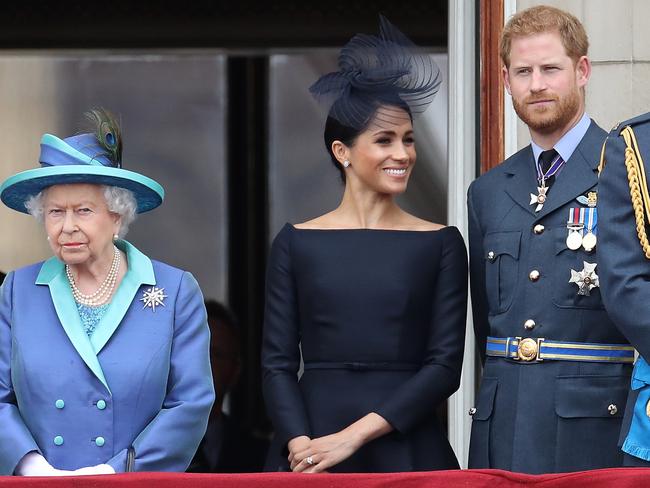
(545, 416)
(142, 380)
(625, 278)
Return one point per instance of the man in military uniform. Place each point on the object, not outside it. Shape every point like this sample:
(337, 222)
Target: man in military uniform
(624, 267)
(556, 368)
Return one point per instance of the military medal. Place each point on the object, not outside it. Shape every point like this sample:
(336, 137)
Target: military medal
(586, 279)
(574, 239)
(589, 240)
(575, 226)
(540, 198)
(542, 189)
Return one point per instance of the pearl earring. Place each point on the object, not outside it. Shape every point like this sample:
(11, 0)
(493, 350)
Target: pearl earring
(48, 238)
(346, 163)
(115, 237)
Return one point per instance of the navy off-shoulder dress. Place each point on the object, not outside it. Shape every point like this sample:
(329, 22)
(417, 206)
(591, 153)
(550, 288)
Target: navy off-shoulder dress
(380, 318)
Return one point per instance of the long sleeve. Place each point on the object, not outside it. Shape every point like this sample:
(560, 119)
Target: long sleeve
(439, 375)
(169, 441)
(477, 277)
(16, 440)
(623, 269)
(280, 345)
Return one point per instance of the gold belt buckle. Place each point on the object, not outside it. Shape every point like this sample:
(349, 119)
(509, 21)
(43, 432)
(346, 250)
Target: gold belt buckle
(528, 349)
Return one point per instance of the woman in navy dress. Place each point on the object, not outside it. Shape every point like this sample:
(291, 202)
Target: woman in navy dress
(375, 298)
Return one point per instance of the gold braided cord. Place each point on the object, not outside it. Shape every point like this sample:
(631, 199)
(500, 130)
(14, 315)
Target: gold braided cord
(601, 165)
(630, 140)
(638, 187)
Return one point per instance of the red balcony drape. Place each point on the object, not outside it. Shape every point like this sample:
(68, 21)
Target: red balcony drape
(603, 478)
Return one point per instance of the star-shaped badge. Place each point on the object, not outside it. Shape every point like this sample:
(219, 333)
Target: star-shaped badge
(540, 198)
(153, 297)
(586, 279)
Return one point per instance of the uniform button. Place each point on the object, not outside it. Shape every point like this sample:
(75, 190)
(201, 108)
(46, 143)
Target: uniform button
(529, 324)
(59, 404)
(101, 404)
(58, 440)
(472, 411)
(533, 275)
(538, 229)
(99, 441)
(491, 255)
(612, 409)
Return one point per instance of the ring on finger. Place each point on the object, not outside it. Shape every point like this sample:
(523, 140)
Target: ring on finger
(309, 460)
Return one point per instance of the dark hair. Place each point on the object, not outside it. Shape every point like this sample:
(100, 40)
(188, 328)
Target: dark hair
(336, 131)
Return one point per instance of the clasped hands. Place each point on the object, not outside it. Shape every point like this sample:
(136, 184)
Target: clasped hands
(317, 455)
(34, 464)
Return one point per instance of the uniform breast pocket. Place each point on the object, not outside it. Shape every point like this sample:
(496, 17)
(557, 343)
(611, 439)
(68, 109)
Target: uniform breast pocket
(565, 294)
(501, 269)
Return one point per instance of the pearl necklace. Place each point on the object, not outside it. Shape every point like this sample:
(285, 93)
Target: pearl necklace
(105, 290)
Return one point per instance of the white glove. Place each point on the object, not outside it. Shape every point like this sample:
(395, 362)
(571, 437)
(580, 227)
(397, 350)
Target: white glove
(33, 464)
(99, 469)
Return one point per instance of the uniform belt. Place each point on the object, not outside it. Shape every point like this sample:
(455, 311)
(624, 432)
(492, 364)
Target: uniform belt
(539, 349)
(363, 366)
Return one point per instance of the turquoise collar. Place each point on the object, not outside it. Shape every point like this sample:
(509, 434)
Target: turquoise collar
(140, 272)
(140, 266)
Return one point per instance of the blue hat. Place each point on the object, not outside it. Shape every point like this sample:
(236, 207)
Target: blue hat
(78, 159)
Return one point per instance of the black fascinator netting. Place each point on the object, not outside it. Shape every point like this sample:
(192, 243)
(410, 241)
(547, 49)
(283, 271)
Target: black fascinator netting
(375, 71)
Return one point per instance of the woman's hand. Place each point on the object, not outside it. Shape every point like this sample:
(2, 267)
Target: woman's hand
(295, 445)
(94, 470)
(327, 451)
(34, 464)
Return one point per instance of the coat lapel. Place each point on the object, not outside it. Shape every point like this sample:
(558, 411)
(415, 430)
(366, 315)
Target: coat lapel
(140, 272)
(579, 173)
(52, 274)
(523, 178)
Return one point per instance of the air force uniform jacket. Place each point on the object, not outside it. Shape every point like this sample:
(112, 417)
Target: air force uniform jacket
(625, 268)
(535, 414)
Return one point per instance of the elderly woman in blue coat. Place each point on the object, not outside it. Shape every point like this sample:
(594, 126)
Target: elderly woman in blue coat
(104, 353)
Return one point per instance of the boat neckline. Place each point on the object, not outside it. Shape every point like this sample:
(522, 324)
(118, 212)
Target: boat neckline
(357, 229)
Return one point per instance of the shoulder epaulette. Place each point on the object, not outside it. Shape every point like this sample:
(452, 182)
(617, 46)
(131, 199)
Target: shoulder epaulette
(639, 119)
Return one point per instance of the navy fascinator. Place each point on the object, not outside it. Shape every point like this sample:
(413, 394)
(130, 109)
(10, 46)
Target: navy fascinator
(375, 71)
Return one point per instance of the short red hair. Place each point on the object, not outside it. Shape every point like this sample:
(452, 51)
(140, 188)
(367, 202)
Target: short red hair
(541, 19)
